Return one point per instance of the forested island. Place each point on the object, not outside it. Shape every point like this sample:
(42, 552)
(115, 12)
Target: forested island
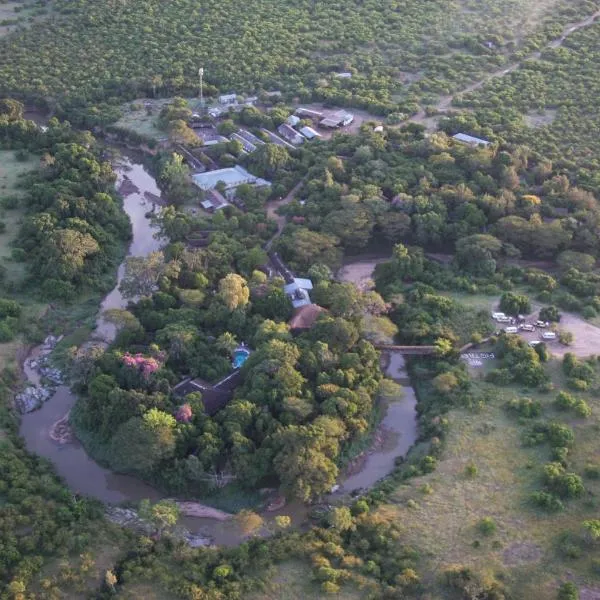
(299, 301)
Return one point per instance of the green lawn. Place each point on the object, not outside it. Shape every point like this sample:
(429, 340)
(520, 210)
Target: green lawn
(442, 523)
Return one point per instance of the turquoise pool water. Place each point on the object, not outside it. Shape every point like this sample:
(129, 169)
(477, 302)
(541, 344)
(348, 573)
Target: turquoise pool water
(239, 358)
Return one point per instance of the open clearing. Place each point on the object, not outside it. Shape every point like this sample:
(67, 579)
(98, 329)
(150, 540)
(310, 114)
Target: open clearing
(15, 18)
(540, 118)
(586, 335)
(441, 520)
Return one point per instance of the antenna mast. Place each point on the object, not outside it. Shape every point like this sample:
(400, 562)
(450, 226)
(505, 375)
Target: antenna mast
(201, 75)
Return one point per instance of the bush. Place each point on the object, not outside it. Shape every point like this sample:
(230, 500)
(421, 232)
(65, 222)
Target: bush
(564, 485)
(592, 471)
(560, 435)
(6, 333)
(589, 312)
(329, 587)
(547, 501)
(515, 304)
(566, 338)
(10, 202)
(564, 401)
(9, 308)
(525, 407)
(18, 254)
(550, 313)
(471, 470)
(487, 526)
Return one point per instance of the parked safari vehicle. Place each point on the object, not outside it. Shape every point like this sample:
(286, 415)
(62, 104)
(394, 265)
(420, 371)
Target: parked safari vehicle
(504, 319)
(511, 330)
(548, 335)
(498, 315)
(534, 343)
(527, 327)
(541, 324)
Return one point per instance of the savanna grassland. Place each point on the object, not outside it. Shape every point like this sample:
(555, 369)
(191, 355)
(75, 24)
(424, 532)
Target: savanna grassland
(488, 472)
(400, 53)
(548, 103)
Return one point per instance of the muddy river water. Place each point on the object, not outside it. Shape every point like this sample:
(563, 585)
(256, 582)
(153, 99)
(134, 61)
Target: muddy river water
(83, 475)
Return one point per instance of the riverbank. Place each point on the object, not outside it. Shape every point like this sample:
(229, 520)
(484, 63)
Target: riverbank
(48, 431)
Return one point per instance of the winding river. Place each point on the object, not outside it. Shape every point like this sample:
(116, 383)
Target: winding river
(83, 475)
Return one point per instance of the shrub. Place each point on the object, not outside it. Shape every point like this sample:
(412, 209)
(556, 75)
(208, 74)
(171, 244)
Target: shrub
(560, 435)
(582, 409)
(550, 313)
(564, 401)
(360, 507)
(565, 485)
(18, 254)
(10, 202)
(566, 338)
(525, 407)
(487, 526)
(592, 471)
(9, 308)
(515, 304)
(579, 385)
(547, 501)
(471, 470)
(6, 333)
(329, 587)
(589, 312)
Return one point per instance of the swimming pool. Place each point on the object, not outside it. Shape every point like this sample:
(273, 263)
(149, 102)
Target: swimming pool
(239, 357)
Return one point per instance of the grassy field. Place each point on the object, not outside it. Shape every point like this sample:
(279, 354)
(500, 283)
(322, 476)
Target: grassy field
(441, 520)
(136, 118)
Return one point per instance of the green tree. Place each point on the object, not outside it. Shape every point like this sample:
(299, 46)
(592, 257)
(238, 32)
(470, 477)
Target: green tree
(142, 274)
(515, 304)
(163, 515)
(568, 591)
(234, 291)
(341, 519)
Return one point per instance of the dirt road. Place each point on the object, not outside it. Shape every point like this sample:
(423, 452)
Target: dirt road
(445, 102)
(280, 219)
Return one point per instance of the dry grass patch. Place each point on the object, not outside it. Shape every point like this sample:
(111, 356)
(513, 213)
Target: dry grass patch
(443, 522)
(293, 581)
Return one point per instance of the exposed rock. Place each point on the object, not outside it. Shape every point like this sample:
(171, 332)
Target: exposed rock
(195, 540)
(127, 517)
(32, 398)
(194, 509)
(52, 374)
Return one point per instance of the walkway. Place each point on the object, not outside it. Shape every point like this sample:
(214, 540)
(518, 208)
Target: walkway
(272, 208)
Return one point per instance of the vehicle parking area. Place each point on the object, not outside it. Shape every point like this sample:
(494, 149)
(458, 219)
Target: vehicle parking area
(586, 336)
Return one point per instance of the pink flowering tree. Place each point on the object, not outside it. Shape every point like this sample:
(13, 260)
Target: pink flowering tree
(144, 364)
(184, 413)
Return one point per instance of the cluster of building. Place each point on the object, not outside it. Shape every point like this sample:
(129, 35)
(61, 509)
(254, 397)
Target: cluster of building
(232, 101)
(221, 185)
(296, 133)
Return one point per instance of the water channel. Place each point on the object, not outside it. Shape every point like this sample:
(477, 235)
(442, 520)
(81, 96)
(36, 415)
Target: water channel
(84, 476)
